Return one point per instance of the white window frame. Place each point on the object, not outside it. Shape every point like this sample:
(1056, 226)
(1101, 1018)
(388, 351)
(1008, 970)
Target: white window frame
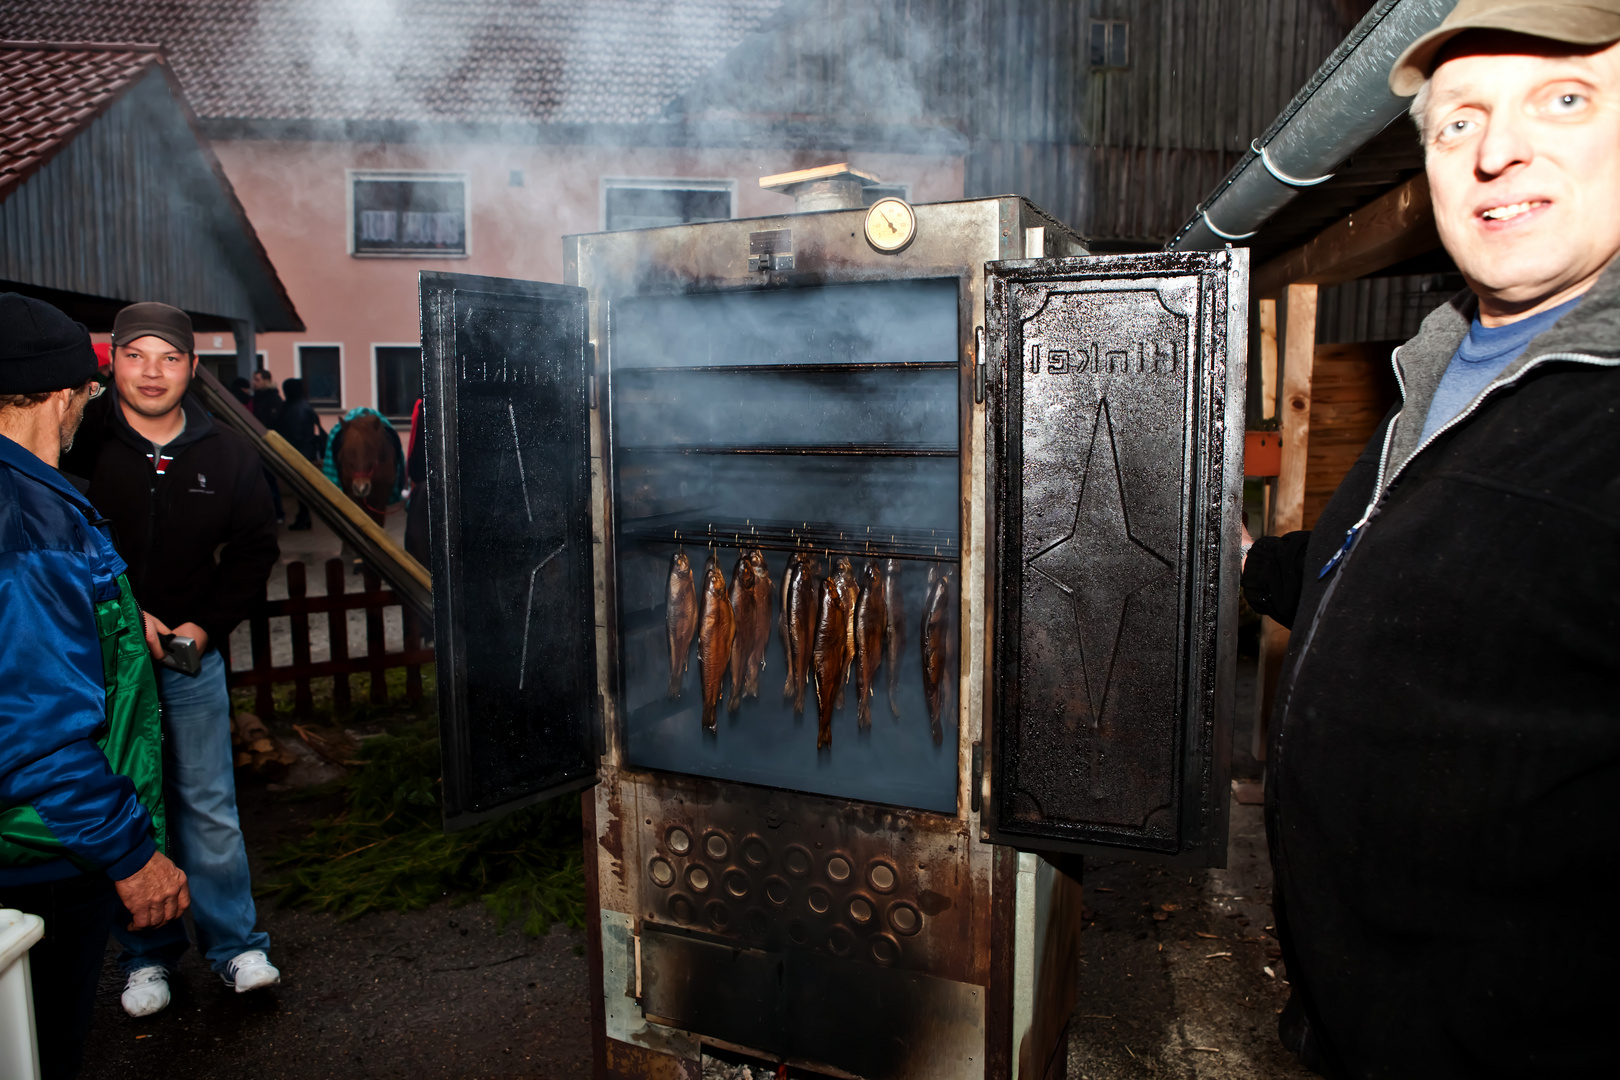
(351, 175)
(298, 367)
(664, 183)
(375, 345)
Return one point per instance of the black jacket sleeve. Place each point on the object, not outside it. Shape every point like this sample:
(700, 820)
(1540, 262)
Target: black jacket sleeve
(249, 553)
(1274, 575)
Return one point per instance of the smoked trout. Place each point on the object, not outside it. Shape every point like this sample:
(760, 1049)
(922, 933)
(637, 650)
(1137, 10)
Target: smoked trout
(936, 645)
(894, 629)
(742, 642)
(762, 623)
(799, 596)
(848, 594)
(680, 618)
(869, 626)
(828, 656)
(715, 626)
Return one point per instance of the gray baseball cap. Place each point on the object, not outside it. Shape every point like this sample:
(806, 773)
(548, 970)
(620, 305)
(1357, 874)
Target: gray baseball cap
(1578, 22)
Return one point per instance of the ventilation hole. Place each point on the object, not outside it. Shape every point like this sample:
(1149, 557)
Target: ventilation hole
(840, 941)
(698, 878)
(776, 891)
(681, 908)
(756, 852)
(860, 910)
(718, 913)
(663, 874)
(904, 918)
(798, 933)
(881, 876)
(838, 868)
(679, 842)
(737, 883)
(819, 900)
(885, 950)
(797, 861)
(716, 846)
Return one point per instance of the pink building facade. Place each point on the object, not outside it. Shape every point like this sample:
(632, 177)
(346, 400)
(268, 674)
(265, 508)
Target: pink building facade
(520, 201)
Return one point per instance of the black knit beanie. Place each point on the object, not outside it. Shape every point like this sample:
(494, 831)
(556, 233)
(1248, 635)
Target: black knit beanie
(41, 349)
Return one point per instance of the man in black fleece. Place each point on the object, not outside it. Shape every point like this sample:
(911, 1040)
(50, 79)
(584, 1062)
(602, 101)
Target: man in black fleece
(178, 488)
(1446, 741)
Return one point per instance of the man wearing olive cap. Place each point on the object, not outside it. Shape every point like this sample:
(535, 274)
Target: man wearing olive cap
(193, 519)
(81, 780)
(1446, 742)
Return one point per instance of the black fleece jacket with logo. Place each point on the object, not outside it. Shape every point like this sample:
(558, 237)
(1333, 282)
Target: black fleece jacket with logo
(211, 498)
(1444, 773)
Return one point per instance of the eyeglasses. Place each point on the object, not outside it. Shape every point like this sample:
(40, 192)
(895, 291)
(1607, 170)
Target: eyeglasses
(97, 388)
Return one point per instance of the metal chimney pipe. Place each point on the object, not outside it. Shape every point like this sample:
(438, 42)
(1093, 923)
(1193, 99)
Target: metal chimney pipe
(1345, 104)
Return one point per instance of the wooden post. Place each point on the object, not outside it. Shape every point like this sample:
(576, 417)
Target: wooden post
(298, 620)
(1287, 510)
(259, 635)
(337, 632)
(413, 641)
(1268, 359)
(374, 641)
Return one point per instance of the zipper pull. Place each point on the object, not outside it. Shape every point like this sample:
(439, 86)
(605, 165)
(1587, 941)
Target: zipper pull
(1344, 549)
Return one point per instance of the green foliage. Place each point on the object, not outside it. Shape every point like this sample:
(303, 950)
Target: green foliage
(387, 850)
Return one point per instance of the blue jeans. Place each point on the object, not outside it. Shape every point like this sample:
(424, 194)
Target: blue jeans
(205, 838)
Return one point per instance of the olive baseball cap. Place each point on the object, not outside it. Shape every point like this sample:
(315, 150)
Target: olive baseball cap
(154, 320)
(1578, 22)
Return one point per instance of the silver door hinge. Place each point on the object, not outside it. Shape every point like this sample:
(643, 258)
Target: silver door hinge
(979, 372)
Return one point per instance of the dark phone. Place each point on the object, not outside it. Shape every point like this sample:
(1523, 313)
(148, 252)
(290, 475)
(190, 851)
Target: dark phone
(180, 653)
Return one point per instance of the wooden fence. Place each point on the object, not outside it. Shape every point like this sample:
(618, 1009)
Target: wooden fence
(301, 611)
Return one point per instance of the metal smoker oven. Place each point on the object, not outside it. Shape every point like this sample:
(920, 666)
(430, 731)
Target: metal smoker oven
(1064, 431)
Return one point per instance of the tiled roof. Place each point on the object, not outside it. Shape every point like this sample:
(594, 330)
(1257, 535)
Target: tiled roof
(485, 61)
(48, 96)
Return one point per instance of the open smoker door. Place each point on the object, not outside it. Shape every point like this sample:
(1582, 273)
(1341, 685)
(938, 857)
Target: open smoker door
(506, 417)
(1116, 426)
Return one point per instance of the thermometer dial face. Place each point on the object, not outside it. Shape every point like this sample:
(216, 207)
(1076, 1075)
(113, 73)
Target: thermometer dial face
(890, 224)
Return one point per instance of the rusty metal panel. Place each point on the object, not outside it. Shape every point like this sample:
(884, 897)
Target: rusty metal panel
(505, 411)
(1117, 434)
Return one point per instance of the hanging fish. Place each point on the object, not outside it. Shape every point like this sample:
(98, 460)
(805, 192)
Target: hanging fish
(828, 656)
(742, 642)
(848, 594)
(680, 618)
(894, 629)
(936, 645)
(761, 639)
(869, 625)
(799, 595)
(715, 627)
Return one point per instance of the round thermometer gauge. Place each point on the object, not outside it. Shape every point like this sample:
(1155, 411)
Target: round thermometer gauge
(890, 224)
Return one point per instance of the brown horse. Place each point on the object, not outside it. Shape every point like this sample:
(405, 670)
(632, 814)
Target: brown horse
(366, 464)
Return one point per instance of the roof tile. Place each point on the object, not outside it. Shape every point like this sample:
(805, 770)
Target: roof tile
(44, 99)
(545, 61)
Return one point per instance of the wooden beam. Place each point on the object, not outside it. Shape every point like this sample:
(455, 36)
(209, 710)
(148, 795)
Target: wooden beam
(1294, 405)
(1394, 227)
(1268, 359)
(1298, 323)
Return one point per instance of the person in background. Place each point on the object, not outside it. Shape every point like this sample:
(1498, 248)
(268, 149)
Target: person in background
(266, 406)
(81, 779)
(1446, 739)
(299, 425)
(240, 388)
(178, 488)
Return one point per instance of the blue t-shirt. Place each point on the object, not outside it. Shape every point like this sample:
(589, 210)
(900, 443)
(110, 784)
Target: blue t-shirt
(1484, 354)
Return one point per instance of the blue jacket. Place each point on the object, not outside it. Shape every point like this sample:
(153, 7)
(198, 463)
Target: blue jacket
(56, 570)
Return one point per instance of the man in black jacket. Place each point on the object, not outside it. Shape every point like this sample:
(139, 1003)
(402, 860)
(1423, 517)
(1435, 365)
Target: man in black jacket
(178, 488)
(1446, 741)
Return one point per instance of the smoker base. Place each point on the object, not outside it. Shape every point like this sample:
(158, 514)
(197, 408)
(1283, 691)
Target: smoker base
(873, 1022)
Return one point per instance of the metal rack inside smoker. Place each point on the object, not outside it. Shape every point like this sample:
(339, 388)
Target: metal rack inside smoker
(823, 537)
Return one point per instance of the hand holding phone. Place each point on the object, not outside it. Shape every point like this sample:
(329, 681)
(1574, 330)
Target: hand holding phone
(180, 653)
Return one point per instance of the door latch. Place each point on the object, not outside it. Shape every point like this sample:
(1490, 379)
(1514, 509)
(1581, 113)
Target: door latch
(590, 368)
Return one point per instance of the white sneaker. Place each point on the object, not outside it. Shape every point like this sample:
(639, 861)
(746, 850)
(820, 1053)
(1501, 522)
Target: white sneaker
(251, 970)
(147, 991)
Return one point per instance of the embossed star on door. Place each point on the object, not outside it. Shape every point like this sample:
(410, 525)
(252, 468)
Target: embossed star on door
(1099, 565)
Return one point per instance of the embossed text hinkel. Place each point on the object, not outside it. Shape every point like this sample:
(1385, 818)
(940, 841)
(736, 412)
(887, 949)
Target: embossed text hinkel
(1157, 357)
(502, 369)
